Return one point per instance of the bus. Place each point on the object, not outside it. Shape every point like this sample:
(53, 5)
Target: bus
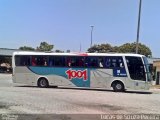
(117, 71)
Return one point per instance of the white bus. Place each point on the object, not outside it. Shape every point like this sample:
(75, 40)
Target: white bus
(89, 70)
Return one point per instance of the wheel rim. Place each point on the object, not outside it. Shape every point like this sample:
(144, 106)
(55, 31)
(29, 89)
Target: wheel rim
(119, 86)
(43, 83)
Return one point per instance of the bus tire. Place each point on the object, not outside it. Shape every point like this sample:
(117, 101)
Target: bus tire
(43, 82)
(118, 86)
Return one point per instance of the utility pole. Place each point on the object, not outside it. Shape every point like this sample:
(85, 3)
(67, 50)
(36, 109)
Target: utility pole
(91, 34)
(138, 27)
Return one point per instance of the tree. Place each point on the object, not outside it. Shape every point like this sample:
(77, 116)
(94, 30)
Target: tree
(130, 48)
(44, 46)
(103, 48)
(115, 49)
(125, 48)
(26, 48)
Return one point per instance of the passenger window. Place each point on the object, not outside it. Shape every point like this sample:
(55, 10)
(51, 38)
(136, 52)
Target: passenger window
(108, 62)
(51, 61)
(73, 61)
(112, 62)
(68, 61)
(39, 61)
(101, 62)
(34, 61)
(22, 60)
(91, 62)
(80, 61)
(59, 61)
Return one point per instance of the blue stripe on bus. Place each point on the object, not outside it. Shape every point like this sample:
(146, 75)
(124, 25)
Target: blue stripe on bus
(78, 76)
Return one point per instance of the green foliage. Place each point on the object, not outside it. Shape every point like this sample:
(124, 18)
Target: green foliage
(130, 48)
(44, 46)
(103, 48)
(26, 48)
(125, 48)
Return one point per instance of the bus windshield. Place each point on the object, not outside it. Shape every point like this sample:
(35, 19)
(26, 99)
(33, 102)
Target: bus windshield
(147, 65)
(136, 68)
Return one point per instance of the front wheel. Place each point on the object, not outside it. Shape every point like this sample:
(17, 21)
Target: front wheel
(118, 87)
(43, 83)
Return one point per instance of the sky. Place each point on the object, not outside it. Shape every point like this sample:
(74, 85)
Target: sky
(67, 23)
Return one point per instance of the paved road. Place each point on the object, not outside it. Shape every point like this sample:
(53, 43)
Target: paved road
(16, 99)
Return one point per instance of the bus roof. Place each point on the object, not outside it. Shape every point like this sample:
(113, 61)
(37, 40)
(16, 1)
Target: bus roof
(76, 54)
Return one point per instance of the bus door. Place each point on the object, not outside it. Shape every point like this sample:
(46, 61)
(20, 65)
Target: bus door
(137, 72)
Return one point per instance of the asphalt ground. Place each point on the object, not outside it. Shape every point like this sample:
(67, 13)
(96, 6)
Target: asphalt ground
(21, 102)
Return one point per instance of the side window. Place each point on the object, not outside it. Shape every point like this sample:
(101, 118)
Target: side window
(22, 60)
(120, 62)
(72, 61)
(59, 61)
(100, 62)
(68, 61)
(51, 61)
(34, 61)
(39, 61)
(112, 62)
(91, 62)
(80, 61)
(108, 62)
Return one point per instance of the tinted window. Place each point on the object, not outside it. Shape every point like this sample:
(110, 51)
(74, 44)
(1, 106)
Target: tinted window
(91, 62)
(72, 61)
(22, 60)
(59, 61)
(112, 62)
(101, 62)
(51, 61)
(136, 68)
(39, 61)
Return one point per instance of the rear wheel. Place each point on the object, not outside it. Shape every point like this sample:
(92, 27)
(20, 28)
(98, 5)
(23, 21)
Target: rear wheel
(43, 83)
(118, 87)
